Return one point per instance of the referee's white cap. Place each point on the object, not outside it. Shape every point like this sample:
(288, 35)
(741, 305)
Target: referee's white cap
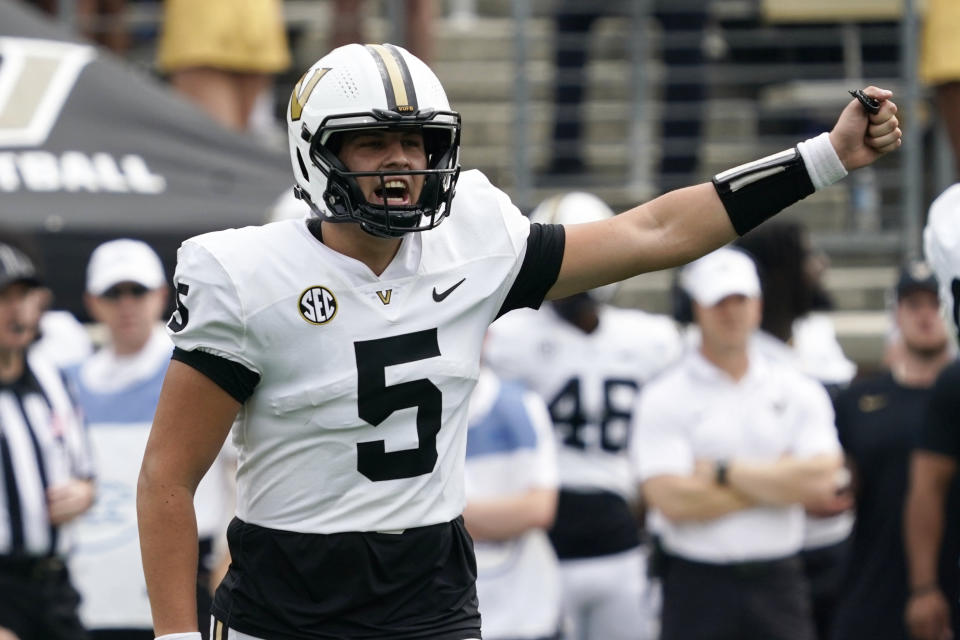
(725, 272)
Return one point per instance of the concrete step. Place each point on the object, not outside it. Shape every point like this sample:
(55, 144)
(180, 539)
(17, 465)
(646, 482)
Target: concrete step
(492, 125)
(863, 336)
(484, 39)
(495, 80)
(604, 120)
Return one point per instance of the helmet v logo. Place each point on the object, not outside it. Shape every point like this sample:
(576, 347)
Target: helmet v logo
(36, 78)
(301, 92)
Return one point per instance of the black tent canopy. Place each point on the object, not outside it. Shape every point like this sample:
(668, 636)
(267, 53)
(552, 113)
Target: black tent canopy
(92, 149)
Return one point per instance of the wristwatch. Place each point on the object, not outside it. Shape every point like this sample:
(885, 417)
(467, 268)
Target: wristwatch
(720, 472)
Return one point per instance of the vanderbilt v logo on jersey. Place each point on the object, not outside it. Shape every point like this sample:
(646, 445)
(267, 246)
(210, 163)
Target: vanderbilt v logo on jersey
(317, 305)
(385, 296)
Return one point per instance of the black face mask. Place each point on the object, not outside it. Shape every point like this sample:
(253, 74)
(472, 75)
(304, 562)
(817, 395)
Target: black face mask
(344, 201)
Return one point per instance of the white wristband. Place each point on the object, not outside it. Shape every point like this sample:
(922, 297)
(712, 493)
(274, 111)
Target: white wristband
(821, 160)
(191, 635)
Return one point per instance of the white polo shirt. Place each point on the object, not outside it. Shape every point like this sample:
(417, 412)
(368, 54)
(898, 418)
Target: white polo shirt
(815, 352)
(696, 411)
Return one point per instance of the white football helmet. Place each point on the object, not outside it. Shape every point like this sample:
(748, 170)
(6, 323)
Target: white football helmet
(576, 207)
(941, 244)
(371, 87)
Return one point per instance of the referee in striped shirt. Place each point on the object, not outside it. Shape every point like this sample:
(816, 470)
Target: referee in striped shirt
(45, 468)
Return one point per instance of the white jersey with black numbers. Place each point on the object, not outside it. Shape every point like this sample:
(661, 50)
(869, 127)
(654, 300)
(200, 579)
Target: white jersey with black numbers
(589, 381)
(358, 420)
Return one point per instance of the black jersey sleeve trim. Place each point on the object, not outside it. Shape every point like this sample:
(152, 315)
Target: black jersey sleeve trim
(940, 433)
(232, 377)
(540, 268)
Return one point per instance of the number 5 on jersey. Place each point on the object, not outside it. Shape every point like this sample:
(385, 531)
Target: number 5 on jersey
(180, 316)
(376, 401)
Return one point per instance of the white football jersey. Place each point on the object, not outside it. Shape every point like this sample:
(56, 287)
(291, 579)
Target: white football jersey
(589, 381)
(358, 422)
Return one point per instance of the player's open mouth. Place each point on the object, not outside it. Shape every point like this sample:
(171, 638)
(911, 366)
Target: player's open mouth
(393, 192)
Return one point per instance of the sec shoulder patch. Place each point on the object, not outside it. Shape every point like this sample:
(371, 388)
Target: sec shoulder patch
(317, 305)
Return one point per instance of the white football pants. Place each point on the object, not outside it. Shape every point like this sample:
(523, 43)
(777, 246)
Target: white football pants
(610, 598)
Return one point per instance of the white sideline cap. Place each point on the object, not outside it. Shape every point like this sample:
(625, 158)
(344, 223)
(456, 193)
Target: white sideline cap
(123, 260)
(725, 272)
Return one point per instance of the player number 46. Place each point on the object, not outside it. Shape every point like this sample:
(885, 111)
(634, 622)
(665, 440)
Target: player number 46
(569, 416)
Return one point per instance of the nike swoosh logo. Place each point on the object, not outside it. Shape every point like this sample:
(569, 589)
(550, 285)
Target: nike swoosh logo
(440, 297)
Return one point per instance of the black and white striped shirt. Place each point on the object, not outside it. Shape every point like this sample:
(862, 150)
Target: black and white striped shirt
(42, 445)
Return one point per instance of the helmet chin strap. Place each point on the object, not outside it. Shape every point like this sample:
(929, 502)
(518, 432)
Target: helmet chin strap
(301, 194)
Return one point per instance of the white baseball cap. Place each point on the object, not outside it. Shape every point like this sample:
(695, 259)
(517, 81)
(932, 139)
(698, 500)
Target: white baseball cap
(725, 272)
(123, 261)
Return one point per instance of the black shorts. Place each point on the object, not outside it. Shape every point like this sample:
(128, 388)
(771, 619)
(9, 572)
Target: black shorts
(416, 585)
(37, 601)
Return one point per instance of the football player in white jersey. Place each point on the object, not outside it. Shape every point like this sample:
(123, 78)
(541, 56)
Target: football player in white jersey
(343, 349)
(588, 359)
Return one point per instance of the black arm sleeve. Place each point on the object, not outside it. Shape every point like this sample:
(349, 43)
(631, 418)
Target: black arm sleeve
(540, 268)
(756, 191)
(232, 377)
(941, 428)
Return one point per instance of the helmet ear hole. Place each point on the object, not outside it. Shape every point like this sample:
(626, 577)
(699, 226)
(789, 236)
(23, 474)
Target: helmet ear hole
(303, 167)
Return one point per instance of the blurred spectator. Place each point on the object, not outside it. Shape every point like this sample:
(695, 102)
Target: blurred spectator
(933, 465)
(62, 339)
(100, 20)
(222, 54)
(731, 445)
(463, 13)
(117, 389)
(879, 421)
(794, 333)
(45, 466)
(933, 468)
(940, 65)
(418, 25)
(794, 299)
(588, 359)
(683, 96)
(511, 482)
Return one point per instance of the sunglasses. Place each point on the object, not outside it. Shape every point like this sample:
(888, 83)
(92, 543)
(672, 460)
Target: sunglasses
(118, 291)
